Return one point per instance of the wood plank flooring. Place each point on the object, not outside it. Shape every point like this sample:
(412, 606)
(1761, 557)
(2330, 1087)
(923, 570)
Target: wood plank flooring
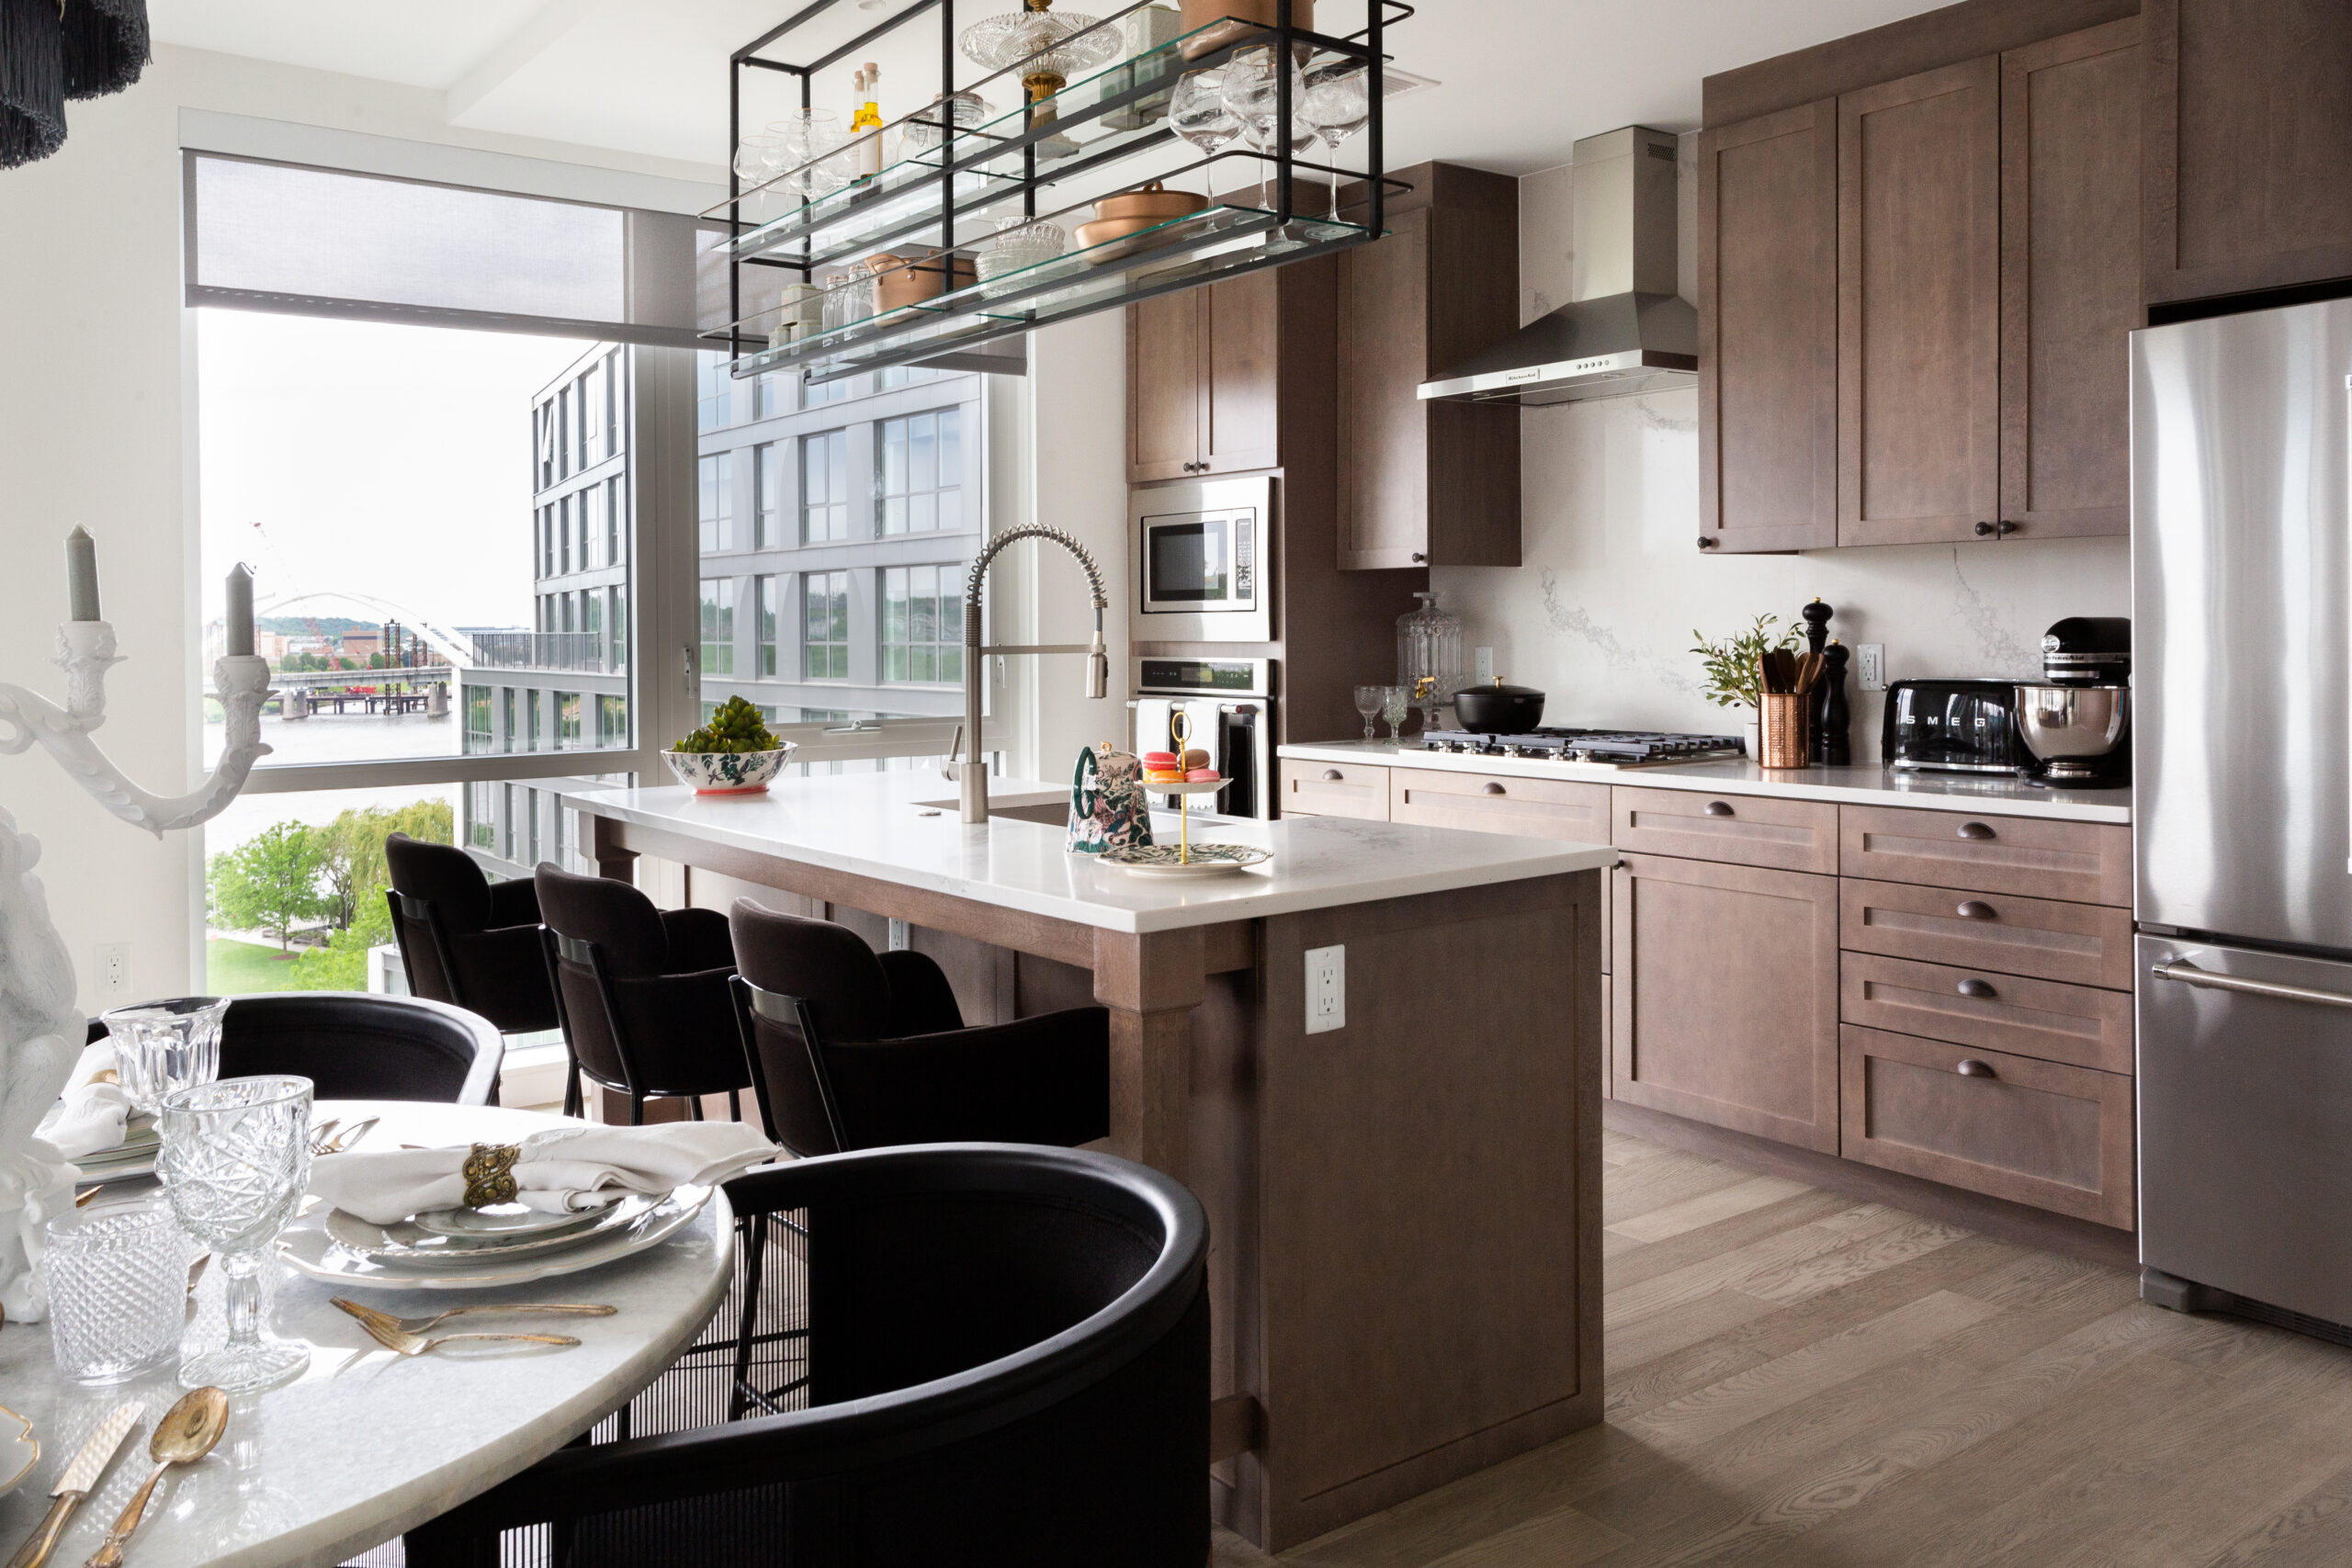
(1799, 1381)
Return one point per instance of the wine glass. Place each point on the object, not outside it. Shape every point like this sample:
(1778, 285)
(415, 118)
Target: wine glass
(1368, 701)
(756, 162)
(235, 1162)
(1396, 701)
(1198, 112)
(1339, 103)
(802, 138)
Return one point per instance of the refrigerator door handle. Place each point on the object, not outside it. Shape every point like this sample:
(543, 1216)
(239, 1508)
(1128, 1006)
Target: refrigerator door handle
(2188, 974)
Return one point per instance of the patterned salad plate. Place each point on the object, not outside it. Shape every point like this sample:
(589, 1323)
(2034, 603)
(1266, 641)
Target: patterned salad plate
(343, 1249)
(18, 1452)
(1207, 860)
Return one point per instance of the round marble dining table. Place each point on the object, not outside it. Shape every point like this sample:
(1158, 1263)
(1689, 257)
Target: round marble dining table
(367, 1444)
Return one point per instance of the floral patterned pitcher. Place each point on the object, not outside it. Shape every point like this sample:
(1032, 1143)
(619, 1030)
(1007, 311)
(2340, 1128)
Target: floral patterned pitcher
(1107, 809)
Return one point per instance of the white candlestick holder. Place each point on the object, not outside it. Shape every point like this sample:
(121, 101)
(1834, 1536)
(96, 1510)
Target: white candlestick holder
(41, 1031)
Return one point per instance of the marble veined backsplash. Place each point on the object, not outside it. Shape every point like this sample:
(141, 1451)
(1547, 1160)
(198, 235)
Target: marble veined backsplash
(1601, 615)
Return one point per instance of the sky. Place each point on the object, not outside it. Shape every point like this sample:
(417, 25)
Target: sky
(387, 460)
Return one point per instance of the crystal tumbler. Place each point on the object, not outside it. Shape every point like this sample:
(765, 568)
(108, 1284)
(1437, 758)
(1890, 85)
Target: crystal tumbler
(161, 1046)
(235, 1161)
(118, 1290)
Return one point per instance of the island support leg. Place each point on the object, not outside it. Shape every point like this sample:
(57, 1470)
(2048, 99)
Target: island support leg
(1150, 982)
(612, 860)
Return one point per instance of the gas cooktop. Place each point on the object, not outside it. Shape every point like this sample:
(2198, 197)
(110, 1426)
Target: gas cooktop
(1615, 747)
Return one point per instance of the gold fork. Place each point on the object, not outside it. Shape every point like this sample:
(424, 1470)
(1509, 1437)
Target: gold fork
(350, 1137)
(323, 1133)
(373, 1318)
(392, 1337)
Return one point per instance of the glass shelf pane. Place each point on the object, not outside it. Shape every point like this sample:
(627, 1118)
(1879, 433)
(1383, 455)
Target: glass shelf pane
(1215, 242)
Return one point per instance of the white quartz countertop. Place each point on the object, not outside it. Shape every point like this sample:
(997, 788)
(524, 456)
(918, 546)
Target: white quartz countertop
(904, 828)
(2000, 796)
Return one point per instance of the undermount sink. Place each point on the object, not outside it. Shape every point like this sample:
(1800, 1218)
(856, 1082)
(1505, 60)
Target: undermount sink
(1053, 810)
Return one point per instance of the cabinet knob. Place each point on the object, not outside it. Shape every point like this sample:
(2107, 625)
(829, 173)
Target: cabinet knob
(1420, 558)
(1975, 831)
(1977, 910)
(1490, 787)
(2003, 529)
(1333, 776)
(1970, 1067)
(1983, 530)
(1708, 541)
(1717, 808)
(1981, 989)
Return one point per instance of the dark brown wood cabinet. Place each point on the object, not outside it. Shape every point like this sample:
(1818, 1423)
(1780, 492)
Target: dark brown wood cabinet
(1202, 381)
(1723, 996)
(1428, 483)
(1919, 305)
(2248, 173)
(2070, 282)
(1767, 332)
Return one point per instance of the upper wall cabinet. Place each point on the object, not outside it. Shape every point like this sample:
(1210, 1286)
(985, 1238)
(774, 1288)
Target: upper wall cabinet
(2249, 162)
(1202, 381)
(1428, 483)
(1915, 300)
(1767, 332)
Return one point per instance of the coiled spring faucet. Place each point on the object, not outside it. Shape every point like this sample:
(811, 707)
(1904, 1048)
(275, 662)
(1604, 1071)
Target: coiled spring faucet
(972, 775)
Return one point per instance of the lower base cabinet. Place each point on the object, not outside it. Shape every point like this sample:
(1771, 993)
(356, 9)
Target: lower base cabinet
(1723, 996)
(2045, 1134)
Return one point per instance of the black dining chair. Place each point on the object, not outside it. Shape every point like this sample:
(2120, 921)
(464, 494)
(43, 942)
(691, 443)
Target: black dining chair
(976, 1355)
(466, 940)
(849, 1048)
(357, 1046)
(641, 994)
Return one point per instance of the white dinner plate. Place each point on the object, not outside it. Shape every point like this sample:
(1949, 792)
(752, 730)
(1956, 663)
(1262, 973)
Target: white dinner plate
(308, 1247)
(500, 1221)
(405, 1244)
(19, 1449)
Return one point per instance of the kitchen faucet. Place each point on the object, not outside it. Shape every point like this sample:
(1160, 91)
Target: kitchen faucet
(972, 780)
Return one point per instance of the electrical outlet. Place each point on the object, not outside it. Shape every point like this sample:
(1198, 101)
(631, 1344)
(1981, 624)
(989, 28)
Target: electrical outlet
(1486, 666)
(1326, 990)
(1869, 666)
(113, 972)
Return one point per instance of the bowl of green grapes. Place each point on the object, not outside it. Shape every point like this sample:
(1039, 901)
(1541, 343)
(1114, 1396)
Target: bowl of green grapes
(733, 754)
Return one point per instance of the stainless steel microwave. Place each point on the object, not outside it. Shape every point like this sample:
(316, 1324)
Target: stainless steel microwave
(1200, 550)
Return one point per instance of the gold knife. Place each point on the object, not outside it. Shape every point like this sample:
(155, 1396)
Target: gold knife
(81, 1479)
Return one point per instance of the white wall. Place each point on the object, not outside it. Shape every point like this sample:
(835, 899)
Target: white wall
(98, 427)
(1601, 615)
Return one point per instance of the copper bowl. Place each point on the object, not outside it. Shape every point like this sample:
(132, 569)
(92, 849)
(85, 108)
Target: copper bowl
(901, 281)
(1131, 212)
(1247, 17)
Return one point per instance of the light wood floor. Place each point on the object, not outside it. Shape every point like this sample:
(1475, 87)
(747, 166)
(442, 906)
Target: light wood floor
(1796, 1379)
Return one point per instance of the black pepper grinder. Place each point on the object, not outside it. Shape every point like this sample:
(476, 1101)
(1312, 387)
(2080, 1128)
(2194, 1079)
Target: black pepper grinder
(1816, 616)
(1832, 745)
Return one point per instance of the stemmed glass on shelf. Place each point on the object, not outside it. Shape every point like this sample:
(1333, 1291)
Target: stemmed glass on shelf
(1198, 112)
(1338, 104)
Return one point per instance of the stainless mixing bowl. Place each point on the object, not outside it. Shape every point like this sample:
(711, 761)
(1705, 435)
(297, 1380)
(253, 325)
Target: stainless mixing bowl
(2071, 727)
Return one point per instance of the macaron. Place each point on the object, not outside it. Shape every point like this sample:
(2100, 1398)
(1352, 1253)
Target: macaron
(1163, 775)
(1196, 757)
(1161, 760)
(1200, 775)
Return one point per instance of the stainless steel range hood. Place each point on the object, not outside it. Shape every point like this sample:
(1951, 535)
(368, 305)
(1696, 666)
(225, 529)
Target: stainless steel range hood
(1626, 331)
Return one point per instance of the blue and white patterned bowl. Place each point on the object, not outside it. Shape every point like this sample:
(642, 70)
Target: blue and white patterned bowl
(729, 772)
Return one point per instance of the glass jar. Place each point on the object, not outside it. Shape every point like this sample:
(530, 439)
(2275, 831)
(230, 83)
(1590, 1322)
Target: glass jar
(1428, 649)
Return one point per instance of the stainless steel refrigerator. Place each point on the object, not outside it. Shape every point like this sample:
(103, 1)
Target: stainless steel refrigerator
(2242, 809)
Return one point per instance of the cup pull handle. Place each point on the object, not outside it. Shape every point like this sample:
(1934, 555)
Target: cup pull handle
(1491, 788)
(1970, 1067)
(1977, 910)
(1333, 776)
(1974, 830)
(1972, 987)
(1717, 808)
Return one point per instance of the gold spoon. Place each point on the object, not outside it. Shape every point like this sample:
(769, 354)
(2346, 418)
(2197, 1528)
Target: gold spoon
(185, 1435)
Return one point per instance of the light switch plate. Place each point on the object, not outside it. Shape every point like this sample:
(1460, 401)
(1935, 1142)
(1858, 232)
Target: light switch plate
(1869, 666)
(1485, 671)
(113, 972)
(1326, 990)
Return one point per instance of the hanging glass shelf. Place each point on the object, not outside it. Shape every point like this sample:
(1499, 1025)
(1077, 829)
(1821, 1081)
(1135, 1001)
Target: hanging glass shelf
(951, 194)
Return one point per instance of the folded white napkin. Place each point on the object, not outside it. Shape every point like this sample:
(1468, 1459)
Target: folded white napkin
(559, 1169)
(88, 1118)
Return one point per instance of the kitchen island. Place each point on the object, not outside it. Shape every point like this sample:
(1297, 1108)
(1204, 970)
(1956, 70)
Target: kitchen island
(1404, 1191)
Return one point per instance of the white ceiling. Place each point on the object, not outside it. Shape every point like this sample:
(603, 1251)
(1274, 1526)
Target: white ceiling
(1522, 79)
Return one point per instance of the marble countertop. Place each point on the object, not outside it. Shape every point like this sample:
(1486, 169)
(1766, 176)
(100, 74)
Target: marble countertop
(2001, 795)
(365, 1443)
(903, 827)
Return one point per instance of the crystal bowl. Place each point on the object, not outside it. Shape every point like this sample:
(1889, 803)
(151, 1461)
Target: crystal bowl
(729, 772)
(1025, 246)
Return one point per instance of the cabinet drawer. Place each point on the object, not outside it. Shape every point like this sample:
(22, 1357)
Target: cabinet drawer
(1739, 830)
(2042, 1019)
(2037, 1132)
(2086, 944)
(2087, 862)
(1539, 808)
(1333, 789)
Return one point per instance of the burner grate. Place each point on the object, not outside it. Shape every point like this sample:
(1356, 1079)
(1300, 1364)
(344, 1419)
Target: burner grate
(1616, 747)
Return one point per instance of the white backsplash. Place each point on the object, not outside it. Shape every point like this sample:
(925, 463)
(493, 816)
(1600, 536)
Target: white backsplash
(1602, 613)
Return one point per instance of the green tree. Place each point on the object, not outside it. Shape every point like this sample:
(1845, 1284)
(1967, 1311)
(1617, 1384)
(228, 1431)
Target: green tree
(355, 877)
(269, 882)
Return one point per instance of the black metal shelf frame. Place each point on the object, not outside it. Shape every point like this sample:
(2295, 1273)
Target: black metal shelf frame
(1039, 120)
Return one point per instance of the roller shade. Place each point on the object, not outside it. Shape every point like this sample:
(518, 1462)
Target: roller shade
(285, 237)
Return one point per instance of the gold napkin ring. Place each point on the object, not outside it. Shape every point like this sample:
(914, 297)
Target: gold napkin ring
(490, 1174)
